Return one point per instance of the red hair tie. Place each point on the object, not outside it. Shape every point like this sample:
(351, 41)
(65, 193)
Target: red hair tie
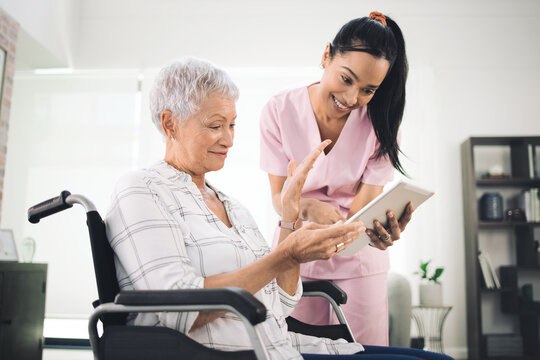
(375, 15)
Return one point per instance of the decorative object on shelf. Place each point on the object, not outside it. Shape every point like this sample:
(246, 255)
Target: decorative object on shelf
(488, 176)
(536, 161)
(491, 207)
(491, 280)
(8, 249)
(532, 151)
(28, 249)
(496, 172)
(529, 201)
(430, 288)
(516, 214)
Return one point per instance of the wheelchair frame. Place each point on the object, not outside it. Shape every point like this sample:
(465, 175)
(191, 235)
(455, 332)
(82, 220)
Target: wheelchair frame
(231, 299)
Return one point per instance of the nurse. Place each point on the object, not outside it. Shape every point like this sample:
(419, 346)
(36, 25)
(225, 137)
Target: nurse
(358, 104)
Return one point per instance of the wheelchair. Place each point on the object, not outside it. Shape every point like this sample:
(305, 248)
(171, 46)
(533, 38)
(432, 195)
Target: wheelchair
(119, 341)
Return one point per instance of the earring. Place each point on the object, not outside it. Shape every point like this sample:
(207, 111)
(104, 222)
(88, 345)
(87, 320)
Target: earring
(172, 138)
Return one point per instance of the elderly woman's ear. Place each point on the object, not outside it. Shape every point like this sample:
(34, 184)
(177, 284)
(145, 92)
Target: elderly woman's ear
(167, 123)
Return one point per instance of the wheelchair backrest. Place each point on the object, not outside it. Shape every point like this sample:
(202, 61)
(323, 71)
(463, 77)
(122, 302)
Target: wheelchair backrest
(102, 253)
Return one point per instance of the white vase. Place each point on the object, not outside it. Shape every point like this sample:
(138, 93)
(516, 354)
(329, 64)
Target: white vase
(430, 294)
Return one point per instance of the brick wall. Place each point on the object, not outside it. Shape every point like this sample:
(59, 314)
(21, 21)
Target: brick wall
(9, 29)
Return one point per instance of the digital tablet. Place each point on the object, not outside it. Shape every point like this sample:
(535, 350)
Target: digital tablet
(396, 199)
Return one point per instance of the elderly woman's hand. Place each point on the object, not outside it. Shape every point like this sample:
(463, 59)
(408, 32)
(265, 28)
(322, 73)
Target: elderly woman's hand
(382, 238)
(296, 177)
(320, 242)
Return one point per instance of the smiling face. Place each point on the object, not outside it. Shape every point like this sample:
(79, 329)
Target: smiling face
(202, 141)
(349, 81)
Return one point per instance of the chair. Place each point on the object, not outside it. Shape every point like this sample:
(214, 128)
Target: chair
(399, 310)
(120, 341)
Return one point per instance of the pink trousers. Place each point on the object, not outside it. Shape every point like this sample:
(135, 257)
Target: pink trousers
(366, 309)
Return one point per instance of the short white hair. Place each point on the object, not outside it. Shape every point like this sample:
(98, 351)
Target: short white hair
(181, 87)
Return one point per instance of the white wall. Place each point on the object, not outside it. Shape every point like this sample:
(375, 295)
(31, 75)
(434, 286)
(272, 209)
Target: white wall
(48, 31)
(474, 71)
(62, 130)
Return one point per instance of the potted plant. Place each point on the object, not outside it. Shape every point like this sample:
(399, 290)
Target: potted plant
(430, 288)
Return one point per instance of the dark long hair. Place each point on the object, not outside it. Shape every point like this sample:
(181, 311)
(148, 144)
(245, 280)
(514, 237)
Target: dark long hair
(387, 105)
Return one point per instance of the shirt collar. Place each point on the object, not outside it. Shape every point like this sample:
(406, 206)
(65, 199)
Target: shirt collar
(172, 173)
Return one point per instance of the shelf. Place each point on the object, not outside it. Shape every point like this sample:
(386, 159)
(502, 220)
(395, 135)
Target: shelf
(532, 223)
(509, 182)
(528, 267)
(502, 140)
(495, 291)
(505, 224)
(520, 267)
(533, 312)
(528, 312)
(497, 224)
(515, 155)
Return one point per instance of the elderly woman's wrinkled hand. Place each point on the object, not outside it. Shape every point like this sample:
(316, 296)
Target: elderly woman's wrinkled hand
(320, 242)
(296, 177)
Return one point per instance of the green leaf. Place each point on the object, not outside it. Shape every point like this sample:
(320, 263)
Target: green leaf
(424, 268)
(437, 274)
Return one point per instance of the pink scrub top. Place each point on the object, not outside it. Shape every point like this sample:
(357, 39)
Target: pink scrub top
(289, 131)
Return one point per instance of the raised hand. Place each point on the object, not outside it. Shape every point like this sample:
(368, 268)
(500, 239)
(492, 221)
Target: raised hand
(296, 177)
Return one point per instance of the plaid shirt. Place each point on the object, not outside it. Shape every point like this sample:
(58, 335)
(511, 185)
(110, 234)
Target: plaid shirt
(165, 237)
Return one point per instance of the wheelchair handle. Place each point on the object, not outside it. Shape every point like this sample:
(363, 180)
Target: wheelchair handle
(49, 207)
(57, 204)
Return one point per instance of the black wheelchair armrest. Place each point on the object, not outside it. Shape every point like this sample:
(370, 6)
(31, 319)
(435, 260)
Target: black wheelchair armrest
(327, 287)
(237, 298)
(336, 297)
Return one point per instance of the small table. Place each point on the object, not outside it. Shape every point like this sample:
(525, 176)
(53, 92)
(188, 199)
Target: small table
(430, 321)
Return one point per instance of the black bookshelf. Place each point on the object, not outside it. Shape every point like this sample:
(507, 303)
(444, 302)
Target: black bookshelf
(520, 233)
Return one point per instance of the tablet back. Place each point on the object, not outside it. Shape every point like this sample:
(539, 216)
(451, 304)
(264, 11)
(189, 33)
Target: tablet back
(395, 199)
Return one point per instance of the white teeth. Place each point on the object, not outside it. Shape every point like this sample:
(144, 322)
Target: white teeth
(340, 105)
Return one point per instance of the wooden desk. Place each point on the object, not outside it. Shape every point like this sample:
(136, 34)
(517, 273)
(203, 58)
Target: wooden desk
(22, 310)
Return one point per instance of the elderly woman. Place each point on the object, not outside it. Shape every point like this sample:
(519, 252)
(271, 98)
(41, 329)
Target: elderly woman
(171, 229)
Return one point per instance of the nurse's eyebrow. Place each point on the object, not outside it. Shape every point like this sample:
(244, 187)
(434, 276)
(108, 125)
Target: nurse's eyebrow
(356, 77)
(352, 72)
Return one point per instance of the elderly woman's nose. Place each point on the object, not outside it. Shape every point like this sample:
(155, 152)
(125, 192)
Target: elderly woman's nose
(227, 137)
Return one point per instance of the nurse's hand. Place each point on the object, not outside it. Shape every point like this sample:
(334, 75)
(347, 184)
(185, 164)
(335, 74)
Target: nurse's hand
(319, 212)
(296, 177)
(382, 238)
